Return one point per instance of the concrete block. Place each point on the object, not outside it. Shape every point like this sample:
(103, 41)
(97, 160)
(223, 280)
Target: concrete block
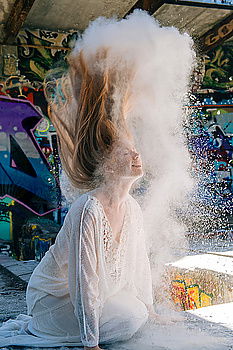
(25, 277)
(201, 280)
(10, 263)
(18, 269)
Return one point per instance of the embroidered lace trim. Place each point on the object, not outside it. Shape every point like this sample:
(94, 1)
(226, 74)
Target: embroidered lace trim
(114, 252)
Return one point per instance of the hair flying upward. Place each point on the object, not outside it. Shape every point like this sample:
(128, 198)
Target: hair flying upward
(85, 116)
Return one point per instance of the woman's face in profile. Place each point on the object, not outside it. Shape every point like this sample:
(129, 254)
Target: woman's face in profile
(124, 160)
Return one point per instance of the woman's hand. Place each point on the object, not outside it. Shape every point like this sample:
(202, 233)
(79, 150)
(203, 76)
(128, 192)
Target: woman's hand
(92, 348)
(154, 317)
(165, 319)
(159, 319)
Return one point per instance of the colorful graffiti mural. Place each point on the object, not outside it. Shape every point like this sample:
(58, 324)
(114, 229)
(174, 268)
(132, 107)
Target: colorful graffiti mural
(219, 67)
(30, 161)
(43, 50)
(20, 87)
(6, 218)
(211, 143)
(24, 172)
(188, 296)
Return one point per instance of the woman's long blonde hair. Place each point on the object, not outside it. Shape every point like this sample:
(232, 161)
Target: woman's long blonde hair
(82, 109)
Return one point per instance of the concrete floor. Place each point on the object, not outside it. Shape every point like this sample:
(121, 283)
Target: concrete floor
(191, 332)
(209, 328)
(12, 297)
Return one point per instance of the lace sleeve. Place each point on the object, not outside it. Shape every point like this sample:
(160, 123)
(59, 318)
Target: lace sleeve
(143, 278)
(86, 302)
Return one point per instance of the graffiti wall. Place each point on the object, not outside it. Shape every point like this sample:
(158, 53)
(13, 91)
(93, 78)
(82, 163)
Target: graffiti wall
(24, 173)
(211, 141)
(219, 67)
(30, 164)
(187, 295)
(42, 51)
(211, 128)
(195, 288)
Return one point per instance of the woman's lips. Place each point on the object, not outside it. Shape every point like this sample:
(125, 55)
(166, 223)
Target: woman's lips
(137, 166)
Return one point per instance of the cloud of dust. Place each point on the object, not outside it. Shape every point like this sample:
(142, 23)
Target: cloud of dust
(161, 61)
(154, 64)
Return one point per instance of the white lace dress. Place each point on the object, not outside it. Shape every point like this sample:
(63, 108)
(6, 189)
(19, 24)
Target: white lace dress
(88, 289)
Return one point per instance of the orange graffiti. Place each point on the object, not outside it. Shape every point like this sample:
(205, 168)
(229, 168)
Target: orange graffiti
(189, 296)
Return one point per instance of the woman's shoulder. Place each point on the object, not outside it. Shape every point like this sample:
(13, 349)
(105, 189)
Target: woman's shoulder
(134, 202)
(89, 204)
(83, 204)
(136, 210)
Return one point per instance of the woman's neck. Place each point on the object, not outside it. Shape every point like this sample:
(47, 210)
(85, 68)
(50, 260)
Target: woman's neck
(114, 194)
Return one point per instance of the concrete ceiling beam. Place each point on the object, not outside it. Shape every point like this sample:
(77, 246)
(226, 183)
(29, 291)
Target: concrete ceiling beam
(16, 19)
(151, 6)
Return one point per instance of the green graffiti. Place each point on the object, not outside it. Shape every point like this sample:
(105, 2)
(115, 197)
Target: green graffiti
(219, 67)
(39, 55)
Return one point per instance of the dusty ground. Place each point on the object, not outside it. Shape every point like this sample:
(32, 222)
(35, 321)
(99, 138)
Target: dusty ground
(12, 297)
(191, 334)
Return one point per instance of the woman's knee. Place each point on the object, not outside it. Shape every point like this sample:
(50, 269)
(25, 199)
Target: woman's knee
(132, 324)
(137, 319)
(126, 316)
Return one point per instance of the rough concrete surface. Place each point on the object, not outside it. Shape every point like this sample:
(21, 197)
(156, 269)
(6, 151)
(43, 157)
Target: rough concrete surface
(189, 332)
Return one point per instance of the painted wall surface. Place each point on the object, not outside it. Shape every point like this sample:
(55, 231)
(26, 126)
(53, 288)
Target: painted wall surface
(219, 67)
(6, 219)
(195, 288)
(24, 172)
(30, 164)
(211, 143)
(35, 62)
(211, 128)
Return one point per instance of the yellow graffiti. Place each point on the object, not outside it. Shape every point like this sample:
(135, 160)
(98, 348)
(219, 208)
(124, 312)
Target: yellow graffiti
(16, 82)
(222, 31)
(189, 296)
(37, 69)
(41, 239)
(206, 300)
(43, 126)
(216, 64)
